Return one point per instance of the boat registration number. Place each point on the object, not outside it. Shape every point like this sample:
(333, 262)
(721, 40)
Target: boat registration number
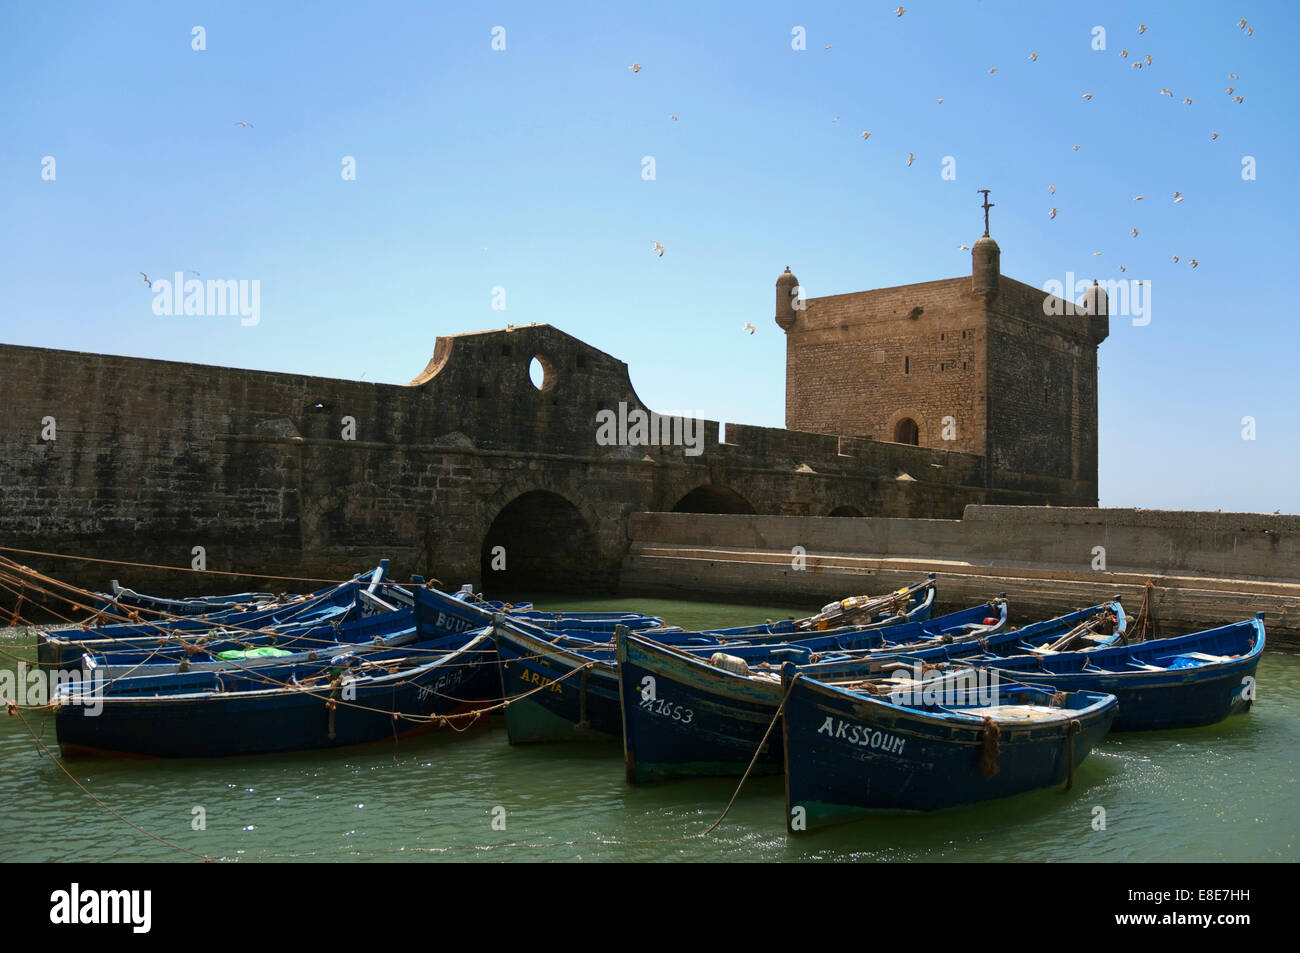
(666, 709)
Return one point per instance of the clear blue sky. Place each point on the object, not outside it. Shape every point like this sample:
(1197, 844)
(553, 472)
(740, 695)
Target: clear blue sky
(535, 154)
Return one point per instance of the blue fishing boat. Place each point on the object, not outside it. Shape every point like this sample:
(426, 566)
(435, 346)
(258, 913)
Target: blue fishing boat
(59, 651)
(1084, 629)
(847, 753)
(1182, 682)
(63, 649)
(121, 597)
(363, 636)
(914, 603)
(687, 713)
(563, 687)
(331, 704)
(463, 612)
(909, 604)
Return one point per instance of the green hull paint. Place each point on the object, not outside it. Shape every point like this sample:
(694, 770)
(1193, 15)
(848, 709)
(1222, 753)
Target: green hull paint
(530, 723)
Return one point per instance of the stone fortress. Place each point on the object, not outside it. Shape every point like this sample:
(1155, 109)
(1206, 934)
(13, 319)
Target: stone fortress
(967, 364)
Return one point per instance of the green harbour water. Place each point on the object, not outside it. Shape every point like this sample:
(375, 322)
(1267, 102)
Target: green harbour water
(1221, 793)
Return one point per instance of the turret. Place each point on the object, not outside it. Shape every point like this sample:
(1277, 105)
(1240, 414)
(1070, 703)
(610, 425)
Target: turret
(1096, 304)
(986, 265)
(1095, 301)
(787, 288)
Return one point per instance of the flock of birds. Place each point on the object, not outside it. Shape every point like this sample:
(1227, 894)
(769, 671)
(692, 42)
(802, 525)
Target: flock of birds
(1164, 91)
(1146, 60)
(1139, 62)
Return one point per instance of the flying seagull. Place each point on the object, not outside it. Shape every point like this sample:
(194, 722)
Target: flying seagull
(748, 327)
(659, 248)
(635, 67)
(145, 279)
(244, 125)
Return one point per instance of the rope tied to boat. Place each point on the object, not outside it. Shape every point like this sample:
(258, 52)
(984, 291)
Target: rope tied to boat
(331, 703)
(584, 720)
(990, 748)
(1073, 729)
(13, 620)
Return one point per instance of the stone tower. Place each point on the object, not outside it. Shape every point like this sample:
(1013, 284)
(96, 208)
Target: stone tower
(985, 365)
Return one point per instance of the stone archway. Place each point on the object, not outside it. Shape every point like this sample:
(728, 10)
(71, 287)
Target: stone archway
(907, 431)
(906, 426)
(544, 544)
(713, 499)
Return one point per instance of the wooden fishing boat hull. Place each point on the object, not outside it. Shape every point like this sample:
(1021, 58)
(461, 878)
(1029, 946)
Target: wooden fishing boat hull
(848, 754)
(1202, 693)
(683, 717)
(556, 694)
(227, 724)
